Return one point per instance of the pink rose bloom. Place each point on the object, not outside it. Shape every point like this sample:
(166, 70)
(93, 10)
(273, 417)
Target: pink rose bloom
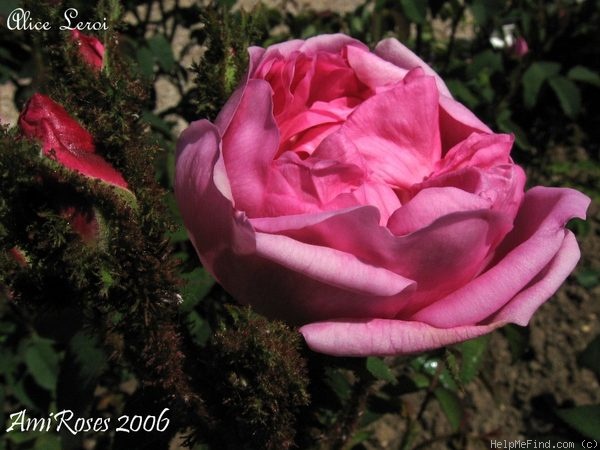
(90, 48)
(520, 48)
(70, 144)
(348, 192)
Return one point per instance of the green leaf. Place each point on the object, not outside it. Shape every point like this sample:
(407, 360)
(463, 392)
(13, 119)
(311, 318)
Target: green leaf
(199, 282)
(415, 10)
(584, 75)
(81, 367)
(518, 340)
(588, 278)
(20, 393)
(420, 380)
(48, 442)
(534, 78)
(379, 369)
(199, 328)
(42, 362)
(91, 359)
(472, 355)
(145, 61)
(462, 93)
(157, 123)
(506, 124)
(584, 419)
(451, 406)
(161, 49)
(590, 357)
(487, 60)
(338, 384)
(360, 436)
(484, 10)
(7, 6)
(568, 95)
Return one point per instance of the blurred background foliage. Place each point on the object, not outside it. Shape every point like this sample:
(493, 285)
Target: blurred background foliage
(230, 378)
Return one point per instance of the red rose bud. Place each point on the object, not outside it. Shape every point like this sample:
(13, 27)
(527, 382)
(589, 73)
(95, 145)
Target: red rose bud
(19, 256)
(90, 48)
(83, 223)
(44, 120)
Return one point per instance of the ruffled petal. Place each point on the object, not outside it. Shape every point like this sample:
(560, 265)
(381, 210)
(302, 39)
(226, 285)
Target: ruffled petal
(372, 70)
(388, 131)
(520, 309)
(431, 204)
(537, 236)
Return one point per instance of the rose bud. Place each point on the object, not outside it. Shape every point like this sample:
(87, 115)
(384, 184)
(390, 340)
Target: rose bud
(520, 48)
(348, 192)
(90, 48)
(73, 147)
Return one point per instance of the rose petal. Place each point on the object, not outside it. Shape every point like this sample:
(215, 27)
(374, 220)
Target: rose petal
(382, 337)
(536, 238)
(520, 309)
(330, 266)
(249, 145)
(90, 48)
(64, 138)
(440, 257)
(297, 185)
(431, 204)
(477, 150)
(201, 180)
(326, 43)
(398, 150)
(372, 70)
(457, 123)
(393, 51)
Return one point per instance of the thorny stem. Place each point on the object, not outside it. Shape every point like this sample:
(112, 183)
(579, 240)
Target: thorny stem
(412, 423)
(355, 408)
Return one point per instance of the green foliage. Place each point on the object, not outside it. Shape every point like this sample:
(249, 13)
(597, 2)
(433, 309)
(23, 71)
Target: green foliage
(380, 370)
(42, 362)
(590, 357)
(533, 79)
(584, 419)
(451, 405)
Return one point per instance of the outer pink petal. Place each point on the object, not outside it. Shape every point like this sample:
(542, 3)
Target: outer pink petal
(397, 337)
(440, 257)
(330, 266)
(393, 51)
(249, 145)
(520, 309)
(200, 179)
(382, 337)
(537, 237)
(223, 120)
